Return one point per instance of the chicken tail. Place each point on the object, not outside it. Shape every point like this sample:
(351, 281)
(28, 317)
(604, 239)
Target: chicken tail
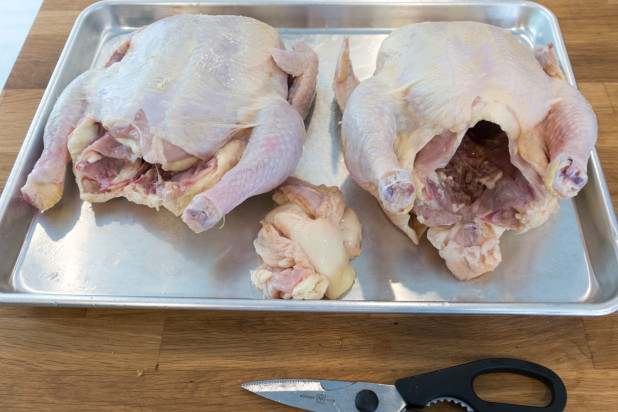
(469, 249)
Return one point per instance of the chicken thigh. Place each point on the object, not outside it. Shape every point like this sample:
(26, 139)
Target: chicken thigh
(192, 113)
(467, 131)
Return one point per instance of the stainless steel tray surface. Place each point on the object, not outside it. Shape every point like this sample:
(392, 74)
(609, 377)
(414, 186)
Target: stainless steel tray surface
(121, 254)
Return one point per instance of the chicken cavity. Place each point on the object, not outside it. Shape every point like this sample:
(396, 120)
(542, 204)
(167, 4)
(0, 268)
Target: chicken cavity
(478, 181)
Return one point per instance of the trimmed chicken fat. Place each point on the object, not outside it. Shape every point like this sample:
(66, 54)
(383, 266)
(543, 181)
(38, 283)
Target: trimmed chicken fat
(306, 244)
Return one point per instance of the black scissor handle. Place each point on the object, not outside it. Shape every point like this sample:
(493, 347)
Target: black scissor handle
(456, 382)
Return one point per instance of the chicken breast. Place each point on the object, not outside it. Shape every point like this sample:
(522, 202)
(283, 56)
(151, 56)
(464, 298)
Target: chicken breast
(192, 113)
(306, 243)
(466, 131)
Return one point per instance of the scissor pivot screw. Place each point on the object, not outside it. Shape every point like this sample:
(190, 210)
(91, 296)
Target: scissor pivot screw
(366, 401)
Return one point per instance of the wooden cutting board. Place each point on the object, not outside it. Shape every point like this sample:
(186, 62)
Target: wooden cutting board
(65, 359)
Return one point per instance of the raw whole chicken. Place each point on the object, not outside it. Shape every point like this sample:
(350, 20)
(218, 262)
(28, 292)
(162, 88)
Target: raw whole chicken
(306, 243)
(466, 131)
(192, 113)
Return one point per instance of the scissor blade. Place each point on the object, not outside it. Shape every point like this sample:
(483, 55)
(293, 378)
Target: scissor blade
(325, 396)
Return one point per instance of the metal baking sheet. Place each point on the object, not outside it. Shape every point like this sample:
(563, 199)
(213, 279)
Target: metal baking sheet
(125, 255)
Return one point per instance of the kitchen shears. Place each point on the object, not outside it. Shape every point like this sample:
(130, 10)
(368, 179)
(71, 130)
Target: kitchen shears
(453, 384)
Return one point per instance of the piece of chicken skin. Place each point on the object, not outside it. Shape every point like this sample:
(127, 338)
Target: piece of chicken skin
(306, 243)
(434, 82)
(159, 116)
(286, 271)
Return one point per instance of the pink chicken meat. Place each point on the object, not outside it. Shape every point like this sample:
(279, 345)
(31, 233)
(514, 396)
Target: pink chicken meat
(192, 113)
(467, 132)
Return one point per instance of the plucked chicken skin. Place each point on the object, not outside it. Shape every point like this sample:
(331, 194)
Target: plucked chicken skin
(467, 132)
(306, 243)
(192, 113)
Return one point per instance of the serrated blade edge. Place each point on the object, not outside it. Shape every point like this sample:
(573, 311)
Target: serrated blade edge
(449, 399)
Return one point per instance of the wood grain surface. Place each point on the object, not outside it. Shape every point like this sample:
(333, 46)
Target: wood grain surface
(75, 359)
